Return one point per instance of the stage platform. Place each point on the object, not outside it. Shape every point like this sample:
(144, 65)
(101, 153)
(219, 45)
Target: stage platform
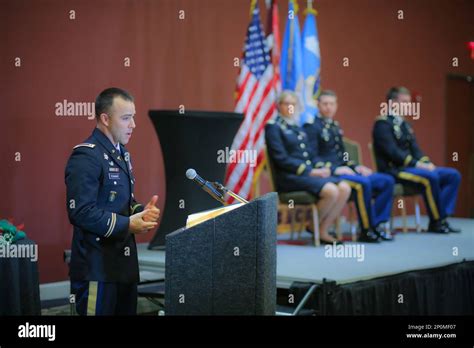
(361, 278)
(409, 251)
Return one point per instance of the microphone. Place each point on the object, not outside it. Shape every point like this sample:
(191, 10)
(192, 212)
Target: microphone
(205, 185)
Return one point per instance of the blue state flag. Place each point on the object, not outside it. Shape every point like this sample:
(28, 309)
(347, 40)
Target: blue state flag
(291, 64)
(311, 66)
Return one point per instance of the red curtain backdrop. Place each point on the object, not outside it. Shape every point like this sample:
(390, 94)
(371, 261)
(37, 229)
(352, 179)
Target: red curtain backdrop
(190, 62)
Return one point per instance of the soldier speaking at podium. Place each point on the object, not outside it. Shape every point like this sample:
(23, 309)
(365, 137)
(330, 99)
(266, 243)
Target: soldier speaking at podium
(105, 215)
(398, 153)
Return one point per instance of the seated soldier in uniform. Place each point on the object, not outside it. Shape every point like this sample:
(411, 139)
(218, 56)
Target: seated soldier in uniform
(326, 135)
(398, 154)
(295, 165)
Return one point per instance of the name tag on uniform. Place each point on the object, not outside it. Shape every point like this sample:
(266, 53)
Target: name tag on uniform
(114, 169)
(114, 176)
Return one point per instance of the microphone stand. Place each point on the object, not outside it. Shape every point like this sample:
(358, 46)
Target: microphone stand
(224, 189)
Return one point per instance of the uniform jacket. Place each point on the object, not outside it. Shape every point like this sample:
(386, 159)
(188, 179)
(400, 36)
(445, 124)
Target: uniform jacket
(287, 145)
(395, 145)
(99, 182)
(327, 136)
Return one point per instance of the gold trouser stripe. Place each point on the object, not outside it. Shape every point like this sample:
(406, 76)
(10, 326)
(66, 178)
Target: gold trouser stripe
(360, 200)
(429, 194)
(92, 298)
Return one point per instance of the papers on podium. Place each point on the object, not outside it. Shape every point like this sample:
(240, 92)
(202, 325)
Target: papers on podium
(195, 219)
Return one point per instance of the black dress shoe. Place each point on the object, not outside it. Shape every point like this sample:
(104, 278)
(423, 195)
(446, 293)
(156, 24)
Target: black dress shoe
(386, 235)
(437, 226)
(368, 237)
(449, 227)
(327, 242)
(383, 233)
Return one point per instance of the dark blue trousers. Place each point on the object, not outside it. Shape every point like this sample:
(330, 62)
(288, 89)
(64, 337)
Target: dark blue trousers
(104, 298)
(439, 187)
(378, 187)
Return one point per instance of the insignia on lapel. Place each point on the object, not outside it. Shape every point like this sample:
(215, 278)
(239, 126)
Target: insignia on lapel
(106, 157)
(397, 131)
(112, 196)
(325, 134)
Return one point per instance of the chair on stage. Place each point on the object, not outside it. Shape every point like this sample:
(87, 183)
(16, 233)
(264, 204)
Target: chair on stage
(401, 192)
(355, 155)
(295, 198)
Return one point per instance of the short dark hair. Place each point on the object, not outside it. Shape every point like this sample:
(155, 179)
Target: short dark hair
(327, 92)
(394, 92)
(105, 99)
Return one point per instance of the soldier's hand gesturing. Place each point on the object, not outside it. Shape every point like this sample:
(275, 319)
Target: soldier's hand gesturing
(138, 225)
(153, 212)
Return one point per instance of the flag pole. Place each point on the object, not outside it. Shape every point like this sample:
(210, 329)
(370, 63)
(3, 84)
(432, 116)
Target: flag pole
(256, 184)
(253, 3)
(310, 9)
(290, 43)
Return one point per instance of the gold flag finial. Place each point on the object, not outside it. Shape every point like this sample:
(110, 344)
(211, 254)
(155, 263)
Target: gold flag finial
(253, 3)
(310, 9)
(296, 7)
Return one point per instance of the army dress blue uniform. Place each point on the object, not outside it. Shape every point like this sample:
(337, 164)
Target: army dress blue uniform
(326, 135)
(293, 158)
(397, 153)
(104, 265)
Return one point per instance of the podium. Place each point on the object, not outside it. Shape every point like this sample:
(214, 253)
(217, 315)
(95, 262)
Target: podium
(225, 265)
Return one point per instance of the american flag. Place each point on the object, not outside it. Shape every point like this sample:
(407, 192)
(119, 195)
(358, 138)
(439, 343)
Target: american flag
(273, 40)
(255, 98)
